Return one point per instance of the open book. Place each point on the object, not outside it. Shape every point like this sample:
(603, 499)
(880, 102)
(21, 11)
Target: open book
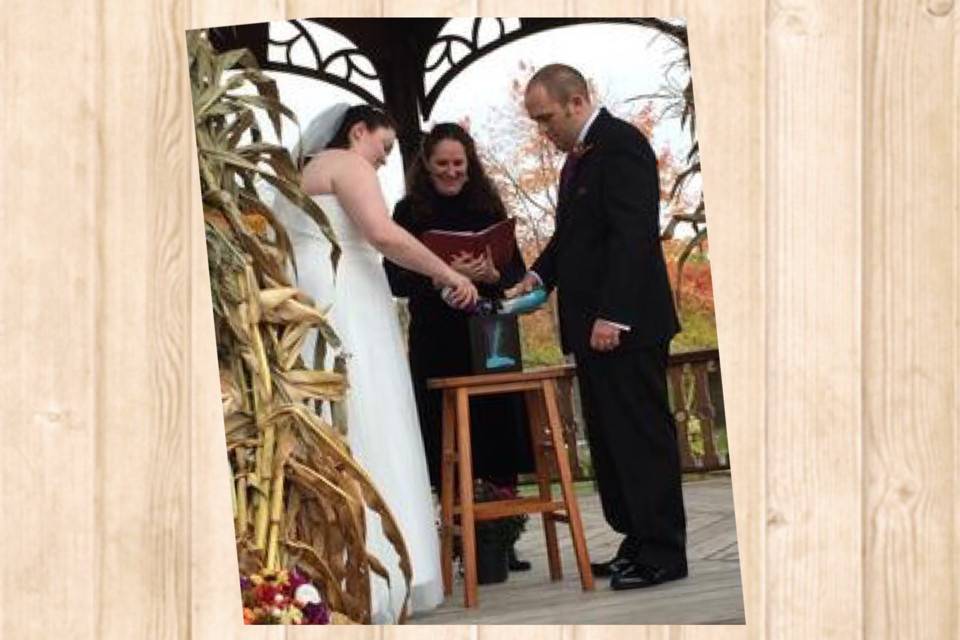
(498, 237)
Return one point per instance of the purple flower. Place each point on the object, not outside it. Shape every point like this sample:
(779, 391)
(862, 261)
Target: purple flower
(296, 579)
(316, 614)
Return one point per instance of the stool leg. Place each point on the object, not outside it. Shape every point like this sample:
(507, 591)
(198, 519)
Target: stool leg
(538, 420)
(448, 461)
(467, 531)
(566, 482)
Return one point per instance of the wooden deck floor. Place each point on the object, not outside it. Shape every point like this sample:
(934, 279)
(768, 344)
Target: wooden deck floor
(711, 594)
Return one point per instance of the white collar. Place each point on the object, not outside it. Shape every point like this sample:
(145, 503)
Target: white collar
(586, 126)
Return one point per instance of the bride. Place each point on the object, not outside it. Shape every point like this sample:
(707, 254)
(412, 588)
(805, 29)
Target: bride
(345, 146)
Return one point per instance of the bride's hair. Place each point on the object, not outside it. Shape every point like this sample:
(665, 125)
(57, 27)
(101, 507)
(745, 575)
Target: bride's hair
(479, 192)
(372, 117)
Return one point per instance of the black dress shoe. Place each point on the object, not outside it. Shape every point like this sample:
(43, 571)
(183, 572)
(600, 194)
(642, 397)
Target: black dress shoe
(514, 563)
(636, 575)
(608, 568)
(629, 547)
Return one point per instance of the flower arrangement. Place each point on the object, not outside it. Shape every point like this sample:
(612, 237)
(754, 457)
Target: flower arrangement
(495, 538)
(505, 531)
(501, 531)
(282, 597)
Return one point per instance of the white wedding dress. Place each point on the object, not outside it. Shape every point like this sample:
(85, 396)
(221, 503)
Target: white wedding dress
(382, 422)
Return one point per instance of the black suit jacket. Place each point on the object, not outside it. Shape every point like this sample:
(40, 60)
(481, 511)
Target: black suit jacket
(605, 256)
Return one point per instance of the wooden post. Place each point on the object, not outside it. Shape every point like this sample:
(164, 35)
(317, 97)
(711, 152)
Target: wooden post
(566, 483)
(537, 418)
(447, 464)
(468, 540)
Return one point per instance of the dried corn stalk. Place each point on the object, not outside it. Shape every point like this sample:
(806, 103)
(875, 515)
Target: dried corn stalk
(298, 493)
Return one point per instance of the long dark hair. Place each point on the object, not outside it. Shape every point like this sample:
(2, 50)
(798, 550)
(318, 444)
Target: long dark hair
(372, 117)
(479, 192)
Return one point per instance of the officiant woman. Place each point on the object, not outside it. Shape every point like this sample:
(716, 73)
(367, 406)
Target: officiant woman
(447, 189)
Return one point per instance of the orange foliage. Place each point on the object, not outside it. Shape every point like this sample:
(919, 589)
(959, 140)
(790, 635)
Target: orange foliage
(696, 289)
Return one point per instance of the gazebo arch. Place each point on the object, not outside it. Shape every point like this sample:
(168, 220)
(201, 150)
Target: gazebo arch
(398, 50)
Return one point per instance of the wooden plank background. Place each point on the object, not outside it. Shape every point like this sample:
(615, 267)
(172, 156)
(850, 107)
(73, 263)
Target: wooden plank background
(830, 147)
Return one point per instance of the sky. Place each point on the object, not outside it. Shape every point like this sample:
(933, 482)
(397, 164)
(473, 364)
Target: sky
(642, 59)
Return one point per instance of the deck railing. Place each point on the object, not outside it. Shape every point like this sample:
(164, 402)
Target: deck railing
(696, 399)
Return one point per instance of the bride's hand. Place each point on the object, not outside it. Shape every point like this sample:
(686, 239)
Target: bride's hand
(463, 294)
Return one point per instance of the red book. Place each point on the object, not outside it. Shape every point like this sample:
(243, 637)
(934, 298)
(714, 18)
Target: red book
(499, 237)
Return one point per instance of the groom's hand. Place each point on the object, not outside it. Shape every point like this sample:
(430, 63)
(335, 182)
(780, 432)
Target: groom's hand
(605, 336)
(526, 285)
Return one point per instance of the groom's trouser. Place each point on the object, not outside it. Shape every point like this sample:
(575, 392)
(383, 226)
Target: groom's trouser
(633, 446)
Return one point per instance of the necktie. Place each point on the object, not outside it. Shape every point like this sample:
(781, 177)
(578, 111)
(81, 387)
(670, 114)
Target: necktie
(568, 167)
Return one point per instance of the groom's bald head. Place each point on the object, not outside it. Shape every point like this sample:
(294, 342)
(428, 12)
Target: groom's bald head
(558, 100)
(561, 82)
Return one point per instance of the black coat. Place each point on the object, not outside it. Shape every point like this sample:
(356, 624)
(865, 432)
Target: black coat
(605, 256)
(439, 346)
(606, 261)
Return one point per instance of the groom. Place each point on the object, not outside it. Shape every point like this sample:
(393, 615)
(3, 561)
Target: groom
(617, 317)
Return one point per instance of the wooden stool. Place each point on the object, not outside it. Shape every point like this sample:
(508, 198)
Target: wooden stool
(540, 392)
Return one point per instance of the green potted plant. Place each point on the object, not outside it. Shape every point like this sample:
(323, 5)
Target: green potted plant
(496, 537)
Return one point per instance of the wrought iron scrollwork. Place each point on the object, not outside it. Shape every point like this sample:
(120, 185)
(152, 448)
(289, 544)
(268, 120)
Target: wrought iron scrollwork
(473, 44)
(321, 68)
(475, 49)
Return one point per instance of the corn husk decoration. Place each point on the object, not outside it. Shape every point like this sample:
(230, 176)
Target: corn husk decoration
(298, 493)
